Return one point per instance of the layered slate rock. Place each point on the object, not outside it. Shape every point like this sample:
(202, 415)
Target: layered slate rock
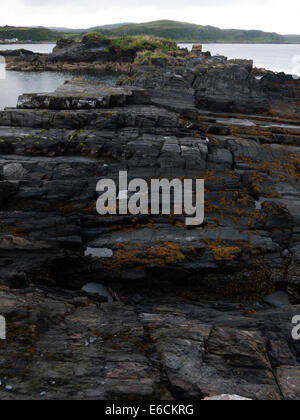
(67, 345)
(52, 159)
(231, 86)
(222, 85)
(84, 95)
(181, 325)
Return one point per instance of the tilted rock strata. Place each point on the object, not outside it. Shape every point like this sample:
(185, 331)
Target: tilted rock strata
(248, 246)
(84, 95)
(52, 160)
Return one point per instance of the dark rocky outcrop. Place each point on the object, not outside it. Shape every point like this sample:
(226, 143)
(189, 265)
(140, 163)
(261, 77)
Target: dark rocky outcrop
(221, 85)
(66, 345)
(18, 53)
(233, 87)
(94, 52)
(18, 58)
(229, 87)
(189, 318)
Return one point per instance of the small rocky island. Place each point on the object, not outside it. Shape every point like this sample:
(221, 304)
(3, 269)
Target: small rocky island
(192, 312)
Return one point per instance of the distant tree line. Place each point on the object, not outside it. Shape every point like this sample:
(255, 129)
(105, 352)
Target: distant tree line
(177, 31)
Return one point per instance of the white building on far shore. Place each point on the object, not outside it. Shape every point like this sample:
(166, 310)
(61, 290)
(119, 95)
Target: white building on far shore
(11, 40)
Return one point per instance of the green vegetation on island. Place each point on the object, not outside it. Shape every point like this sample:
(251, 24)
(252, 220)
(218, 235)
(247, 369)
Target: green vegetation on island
(146, 42)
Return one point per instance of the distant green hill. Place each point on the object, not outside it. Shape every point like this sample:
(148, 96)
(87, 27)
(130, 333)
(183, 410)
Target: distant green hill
(177, 31)
(185, 32)
(26, 34)
(95, 28)
(292, 38)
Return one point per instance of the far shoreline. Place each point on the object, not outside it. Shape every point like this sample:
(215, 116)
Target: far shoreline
(27, 42)
(238, 42)
(178, 42)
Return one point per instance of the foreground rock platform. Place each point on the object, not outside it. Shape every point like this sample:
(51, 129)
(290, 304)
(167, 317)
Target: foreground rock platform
(84, 95)
(189, 318)
(64, 345)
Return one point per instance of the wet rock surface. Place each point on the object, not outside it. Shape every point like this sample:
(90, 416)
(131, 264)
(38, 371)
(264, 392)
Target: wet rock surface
(188, 318)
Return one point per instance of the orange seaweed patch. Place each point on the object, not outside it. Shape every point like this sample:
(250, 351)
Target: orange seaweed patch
(163, 253)
(223, 251)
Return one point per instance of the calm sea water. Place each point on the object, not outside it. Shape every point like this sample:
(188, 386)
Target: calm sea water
(39, 48)
(12, 84)
(16, 83)
(276, 57)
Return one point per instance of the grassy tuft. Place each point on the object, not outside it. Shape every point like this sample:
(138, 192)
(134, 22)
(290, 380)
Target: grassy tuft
(134, 42)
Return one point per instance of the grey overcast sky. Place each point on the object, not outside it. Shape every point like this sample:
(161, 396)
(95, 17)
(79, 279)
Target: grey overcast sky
(269, 15)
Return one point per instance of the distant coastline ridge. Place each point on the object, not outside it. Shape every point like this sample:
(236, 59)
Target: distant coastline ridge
(177, 31)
